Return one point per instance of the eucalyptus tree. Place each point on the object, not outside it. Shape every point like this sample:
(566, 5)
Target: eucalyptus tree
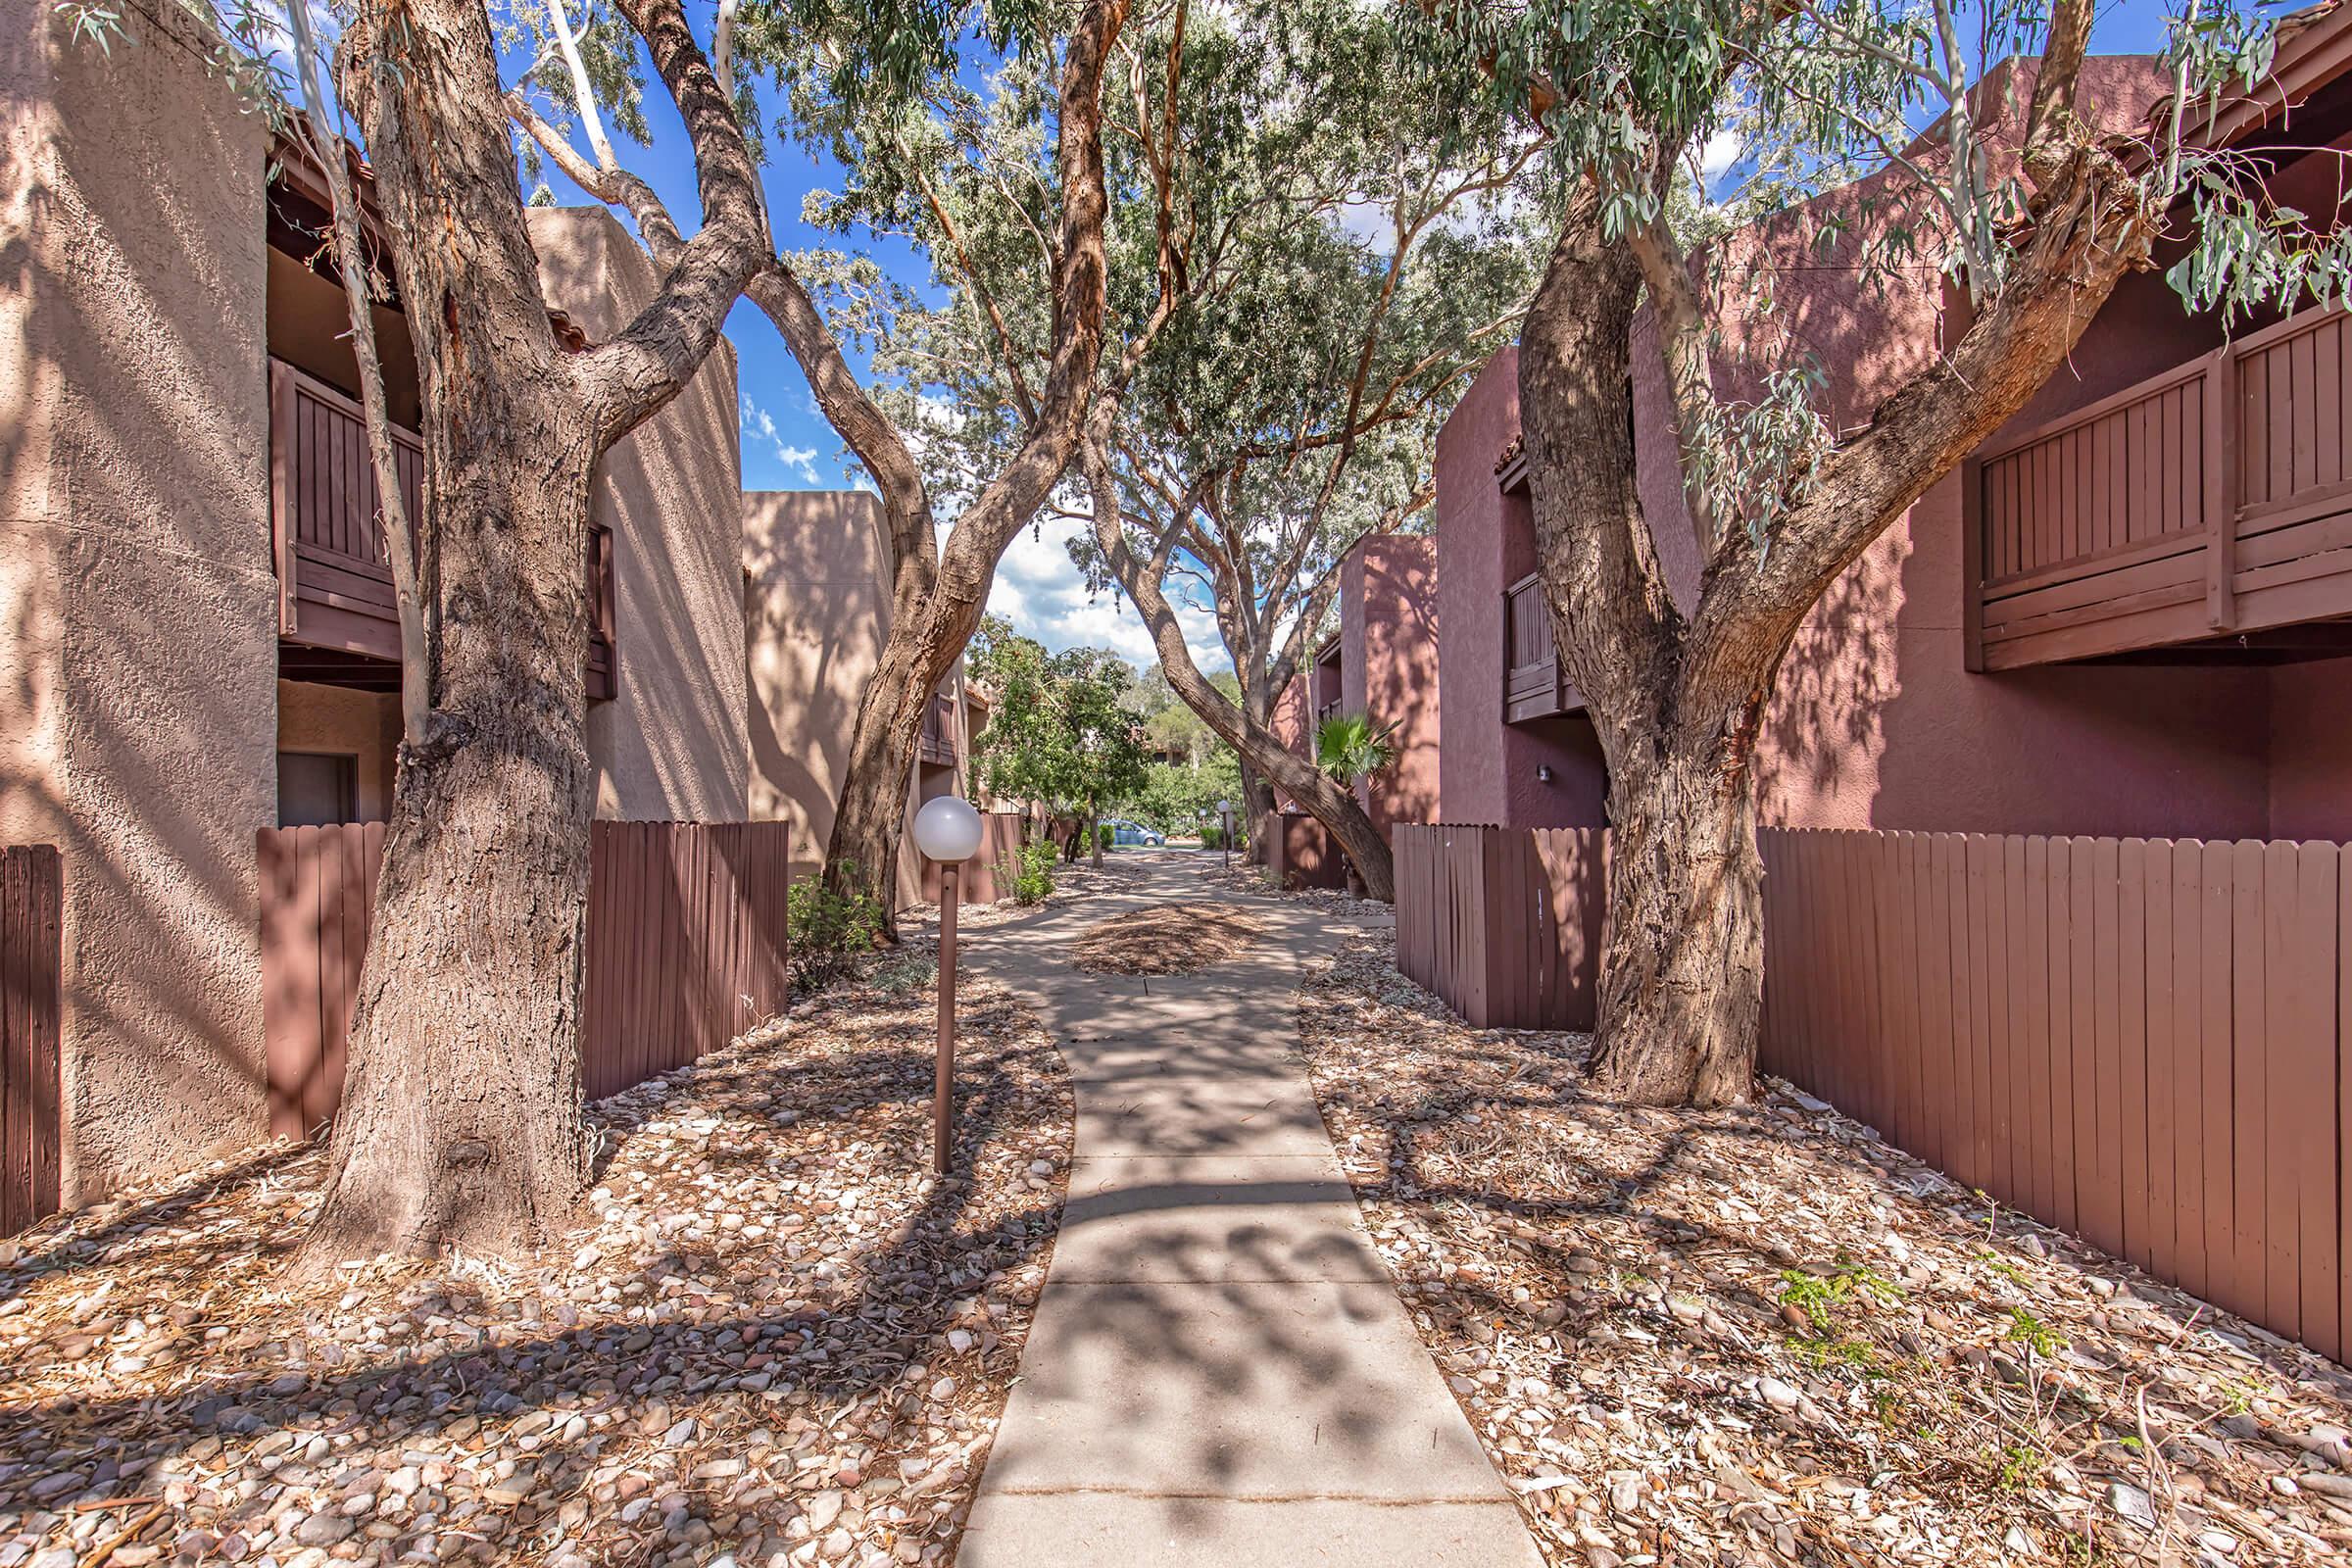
(890, 90)
(1300, 275)
(460, 1122)
(2031, 207)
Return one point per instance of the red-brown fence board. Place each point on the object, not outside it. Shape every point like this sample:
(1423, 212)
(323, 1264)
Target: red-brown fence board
(987, 875)
(685, 949)
(2139, 1040)
(1506, 925)
(32, 905)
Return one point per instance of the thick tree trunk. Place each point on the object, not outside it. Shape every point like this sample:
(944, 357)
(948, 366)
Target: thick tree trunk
(461, 1118)
(868, 820)
(1677, 704)
(461, 1123)
(1681, 974)
(935, 608)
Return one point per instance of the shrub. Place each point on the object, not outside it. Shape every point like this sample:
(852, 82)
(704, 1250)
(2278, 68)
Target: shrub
(1033, 873)
(1106, 836)
(1213, 837)
(829, 931)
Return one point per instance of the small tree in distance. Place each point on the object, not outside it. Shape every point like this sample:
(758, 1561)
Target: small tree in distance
(1061, 735)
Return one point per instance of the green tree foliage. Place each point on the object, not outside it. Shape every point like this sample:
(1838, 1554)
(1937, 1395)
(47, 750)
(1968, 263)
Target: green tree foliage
(1178, 797)
(1350, 748)
(1992, 171)
(1062, 733)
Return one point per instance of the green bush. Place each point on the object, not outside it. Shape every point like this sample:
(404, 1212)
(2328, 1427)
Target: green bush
(1033, 873)
(1108, 837)
(829, 931)
(1213, 837)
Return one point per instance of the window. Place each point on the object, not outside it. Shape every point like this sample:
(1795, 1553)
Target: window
(315, 789)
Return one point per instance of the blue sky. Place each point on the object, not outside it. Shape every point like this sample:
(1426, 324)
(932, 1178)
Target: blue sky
(788, 446)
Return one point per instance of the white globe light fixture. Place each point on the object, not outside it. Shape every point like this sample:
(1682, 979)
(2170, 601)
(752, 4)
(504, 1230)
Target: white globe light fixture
(947, 830)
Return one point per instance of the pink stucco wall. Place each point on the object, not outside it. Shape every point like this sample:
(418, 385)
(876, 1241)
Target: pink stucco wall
(137, 600)
(673, 744)
(1488, 771)
(1389, 667)
(1876, 720)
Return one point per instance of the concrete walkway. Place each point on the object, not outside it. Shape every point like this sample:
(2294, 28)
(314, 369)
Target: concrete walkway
(1219, 1372)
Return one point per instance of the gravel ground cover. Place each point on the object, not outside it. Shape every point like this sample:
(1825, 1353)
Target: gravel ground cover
(777, 1341)
(1762, 1335)
(1166, 939)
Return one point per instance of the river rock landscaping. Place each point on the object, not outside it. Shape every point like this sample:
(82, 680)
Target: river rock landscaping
(1762, 1335)
(775, 1341)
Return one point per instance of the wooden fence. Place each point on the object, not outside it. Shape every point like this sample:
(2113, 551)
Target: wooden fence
(1301, 851)
(987, 875)
(2140, 1041)
(1505, 924)
(31, 897)
(685, 950)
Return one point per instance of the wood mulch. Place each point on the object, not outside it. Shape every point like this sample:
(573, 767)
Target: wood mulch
(1762, 1335)
(1167, 939)
(775, 1340)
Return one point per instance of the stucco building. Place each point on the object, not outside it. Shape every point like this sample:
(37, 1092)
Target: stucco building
(196, 633)
(2129, 615)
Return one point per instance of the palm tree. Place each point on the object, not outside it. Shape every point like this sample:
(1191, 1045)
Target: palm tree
(1349, 747)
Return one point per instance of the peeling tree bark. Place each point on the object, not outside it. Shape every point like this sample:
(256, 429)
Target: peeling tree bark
(1677, 704)
(461, 1123)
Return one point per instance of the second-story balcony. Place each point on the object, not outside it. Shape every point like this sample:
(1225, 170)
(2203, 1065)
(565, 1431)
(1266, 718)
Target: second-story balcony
(937, 746)
(334, 581)
(2206, 512)
(1533, 685)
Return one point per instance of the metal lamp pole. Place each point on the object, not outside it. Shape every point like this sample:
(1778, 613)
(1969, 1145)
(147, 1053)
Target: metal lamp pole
(1225, 838)
(947, 830)
(942, 1071)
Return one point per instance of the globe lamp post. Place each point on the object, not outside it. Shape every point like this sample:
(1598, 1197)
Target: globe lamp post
(947, 830)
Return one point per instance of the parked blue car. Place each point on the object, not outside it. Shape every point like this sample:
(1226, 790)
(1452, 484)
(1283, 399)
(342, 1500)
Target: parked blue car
(1123, 831)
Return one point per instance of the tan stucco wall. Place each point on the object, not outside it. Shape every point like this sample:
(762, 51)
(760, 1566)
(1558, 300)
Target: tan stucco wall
(336, 719)
(816, 597)
(137, 606)
(673, 744)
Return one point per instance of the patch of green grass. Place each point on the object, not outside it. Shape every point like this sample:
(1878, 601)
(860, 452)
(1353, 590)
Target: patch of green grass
(2028, 1330)
(2002, 1266)
(1823, 1296)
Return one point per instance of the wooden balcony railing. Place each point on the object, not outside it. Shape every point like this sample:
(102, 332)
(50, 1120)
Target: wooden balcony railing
(334, 582)
(2215, 498)
(1533, 684)
(939, 732)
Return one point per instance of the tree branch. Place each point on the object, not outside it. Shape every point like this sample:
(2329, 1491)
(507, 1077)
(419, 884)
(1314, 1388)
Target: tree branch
(1682, 343)
(327, 145)
(624, 381)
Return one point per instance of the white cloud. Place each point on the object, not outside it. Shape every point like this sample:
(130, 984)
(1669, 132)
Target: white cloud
(761, 425)
(1038, 589)
(1717, 154)
(802, 457)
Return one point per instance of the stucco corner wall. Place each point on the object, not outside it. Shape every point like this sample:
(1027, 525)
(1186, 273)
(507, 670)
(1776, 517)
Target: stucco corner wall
(673, 742)
(816, 599)
(1389, 612)
(137, 699)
